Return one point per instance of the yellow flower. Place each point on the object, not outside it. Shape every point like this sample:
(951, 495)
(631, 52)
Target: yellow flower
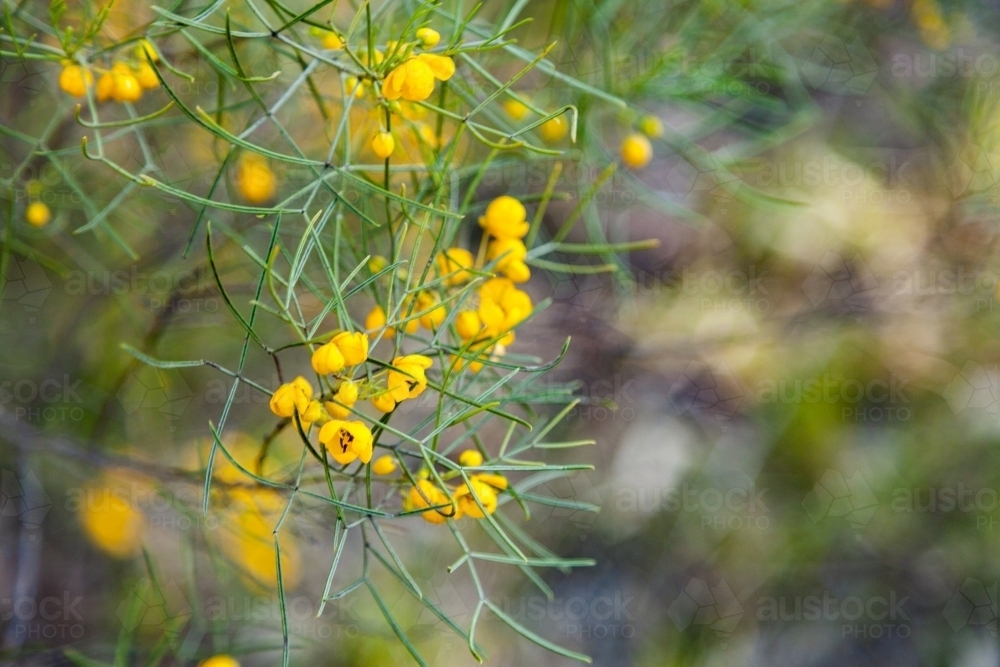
(502, 306)
(347, 395)
(383, 144)
(429, 37)
(352, 345)
(636, 151)
(505, 218)
(221, 660)
(347, 441)
(511, 254)
(383, 402)
(384, 465)
(75, 79)
(554, 129)
(498, 482)
(332, 41)
(105, 87)
(651, 126)
(468, 325)
(291, 397)
(470, 458)
(413, 80)
(407, 378)
(454, 261)
(375, 320)
(432, 319)
(352, 84)
(515, 109)
(377, 263)
(466, 496)
(127, 88)
(112, 523)
(425, 495)
(37, 214)
(313, 413)
(146, 77)
(327, 359)
(254, 179)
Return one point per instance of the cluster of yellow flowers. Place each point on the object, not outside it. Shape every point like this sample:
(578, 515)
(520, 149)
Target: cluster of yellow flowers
(124, 82)
(475, 498)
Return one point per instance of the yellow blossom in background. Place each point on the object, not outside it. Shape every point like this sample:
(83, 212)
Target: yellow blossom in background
(435, 316)
(332, 41)
(110, 521)
(127, 87)
(930, 22)
(505, 218)
(105, 87)
(347, 395)
(383, 144)
(636, 151)
(453, 261)
(554, 129)
(254, 179)
(37, 214)
(221, 660)
(75, 80)
(246, 538)
(407, 378)
(426, 495)
(384, 465)
(515, 108)
(347, 441)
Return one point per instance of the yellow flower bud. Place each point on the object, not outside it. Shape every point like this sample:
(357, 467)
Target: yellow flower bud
(37, 214)
(127, 88)
(468, 325)
(636, 151)
(505, 218)
(327, 359)
(75, 79)
(145, 51)
(427, 495)
(146, 77)
(105, 87)
(467, 494)
(346, 397)
(384, 465)
(470, 458)
(254, 179)
(453, 261)
(332, 41)
(291, 397)
(413, 80)
(651, 126)
(220, 660)
(432, 319)
(554, 129)
(375, 321)
(383, 144)
(353, 346)
(407, 378)
(428, 37)
(383, 402)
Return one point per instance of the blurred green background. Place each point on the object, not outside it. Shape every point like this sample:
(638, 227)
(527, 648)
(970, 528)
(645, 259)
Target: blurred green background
(795, 397)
